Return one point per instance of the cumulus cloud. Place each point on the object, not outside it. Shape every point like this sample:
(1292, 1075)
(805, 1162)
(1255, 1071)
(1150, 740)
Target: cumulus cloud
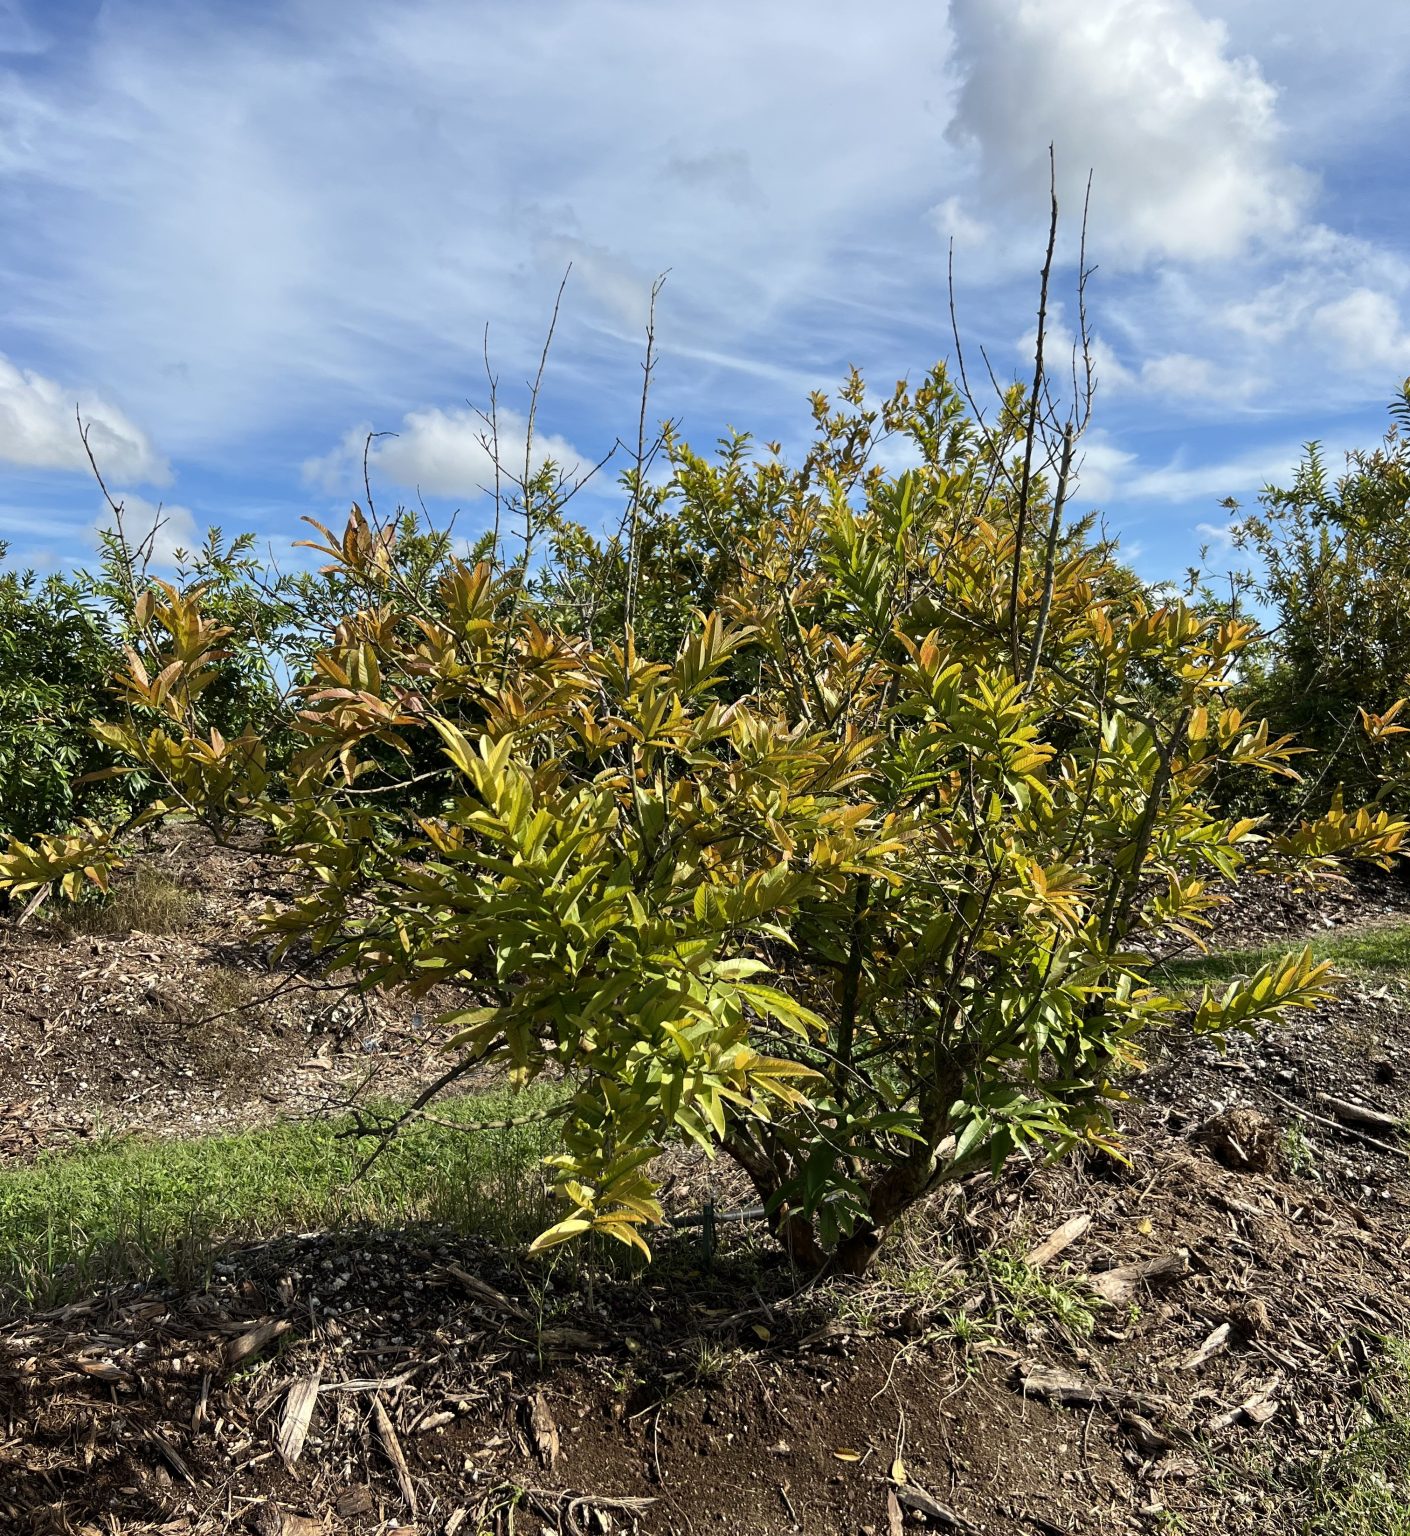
(1365, 329)
(39, 430)
(1182, 137)
(169, 531)
(440, 453)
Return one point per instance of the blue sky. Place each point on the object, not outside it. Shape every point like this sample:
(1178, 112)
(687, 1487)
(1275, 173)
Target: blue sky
(240, 235)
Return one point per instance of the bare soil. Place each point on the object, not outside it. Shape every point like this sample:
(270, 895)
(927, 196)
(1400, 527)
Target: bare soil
(379, 1381)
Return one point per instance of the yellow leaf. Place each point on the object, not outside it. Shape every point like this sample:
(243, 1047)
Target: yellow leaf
(846, 1453)
(560, 1232)
(898, 1471)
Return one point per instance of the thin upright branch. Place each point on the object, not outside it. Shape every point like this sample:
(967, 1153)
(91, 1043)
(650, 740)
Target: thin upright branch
(634, 513)
(492, 446)
(1025, 484)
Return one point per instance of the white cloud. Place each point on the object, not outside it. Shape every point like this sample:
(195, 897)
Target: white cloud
(165, 529)
(39, 430)
(1177, 481)
(441, 453)
(1365, 329)
(953, 221)
(1181, 136)
(1101, 466)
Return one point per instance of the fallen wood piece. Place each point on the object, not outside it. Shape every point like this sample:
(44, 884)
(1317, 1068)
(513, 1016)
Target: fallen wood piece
(370, 1383)
(1257, 1408)
(1217, 1340)
(1335, 1125)
(554, 1502)
(1147, 1439)
(298, 1415)
(486, 1293)
(105, 1371)
(1040, 1522)
(392, 1447)
(1362, 1114)
(1058, 1239)
(1069, 1391)
(917, 1499)
(172, 1457)
(247, 1345)
(1120, 1285)
(270, 1519)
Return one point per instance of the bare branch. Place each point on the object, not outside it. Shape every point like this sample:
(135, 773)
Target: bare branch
(1025, 486)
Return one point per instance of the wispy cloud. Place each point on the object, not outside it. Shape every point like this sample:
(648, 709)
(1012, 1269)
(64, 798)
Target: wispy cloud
(232, 233)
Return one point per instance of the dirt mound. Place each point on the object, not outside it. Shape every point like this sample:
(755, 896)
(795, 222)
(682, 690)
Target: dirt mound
(1172, 1342)
(1196, 1322)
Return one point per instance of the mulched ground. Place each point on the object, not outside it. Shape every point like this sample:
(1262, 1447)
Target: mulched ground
(404, 1382)
(191, 1031)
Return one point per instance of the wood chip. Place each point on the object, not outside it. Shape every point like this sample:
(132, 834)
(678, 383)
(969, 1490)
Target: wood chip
(486, 1293)
(1147, 1439)
(922, 1503)
(1217, 1340)
(1058, 1239)
(387, 1434)
(269, 1519)
(104, 1371)
(247, 1345)
(298, 1415)
(1120, 1285)
(895, 1520)
(172, 1457)
(1257, 1408)
(544, 1430)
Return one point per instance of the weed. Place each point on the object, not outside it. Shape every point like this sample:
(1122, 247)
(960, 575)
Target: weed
(149, 901)
(1028, 1296)
(711, 1363)
(224, 989)
(967, 1329)
(1299, 1155)
(1362, 1488)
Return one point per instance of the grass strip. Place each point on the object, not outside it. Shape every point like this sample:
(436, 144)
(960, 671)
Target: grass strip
(1377, 954)
(139, 1208)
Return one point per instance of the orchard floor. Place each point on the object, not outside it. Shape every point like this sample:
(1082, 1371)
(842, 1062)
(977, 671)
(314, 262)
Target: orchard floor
(1252, 1379)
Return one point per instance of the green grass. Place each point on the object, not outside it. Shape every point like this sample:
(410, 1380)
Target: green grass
(1378, 954)
(1362, 1488)
(141, 1209)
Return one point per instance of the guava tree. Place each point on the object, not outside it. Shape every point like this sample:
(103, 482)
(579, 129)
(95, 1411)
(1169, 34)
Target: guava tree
(858, 886)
